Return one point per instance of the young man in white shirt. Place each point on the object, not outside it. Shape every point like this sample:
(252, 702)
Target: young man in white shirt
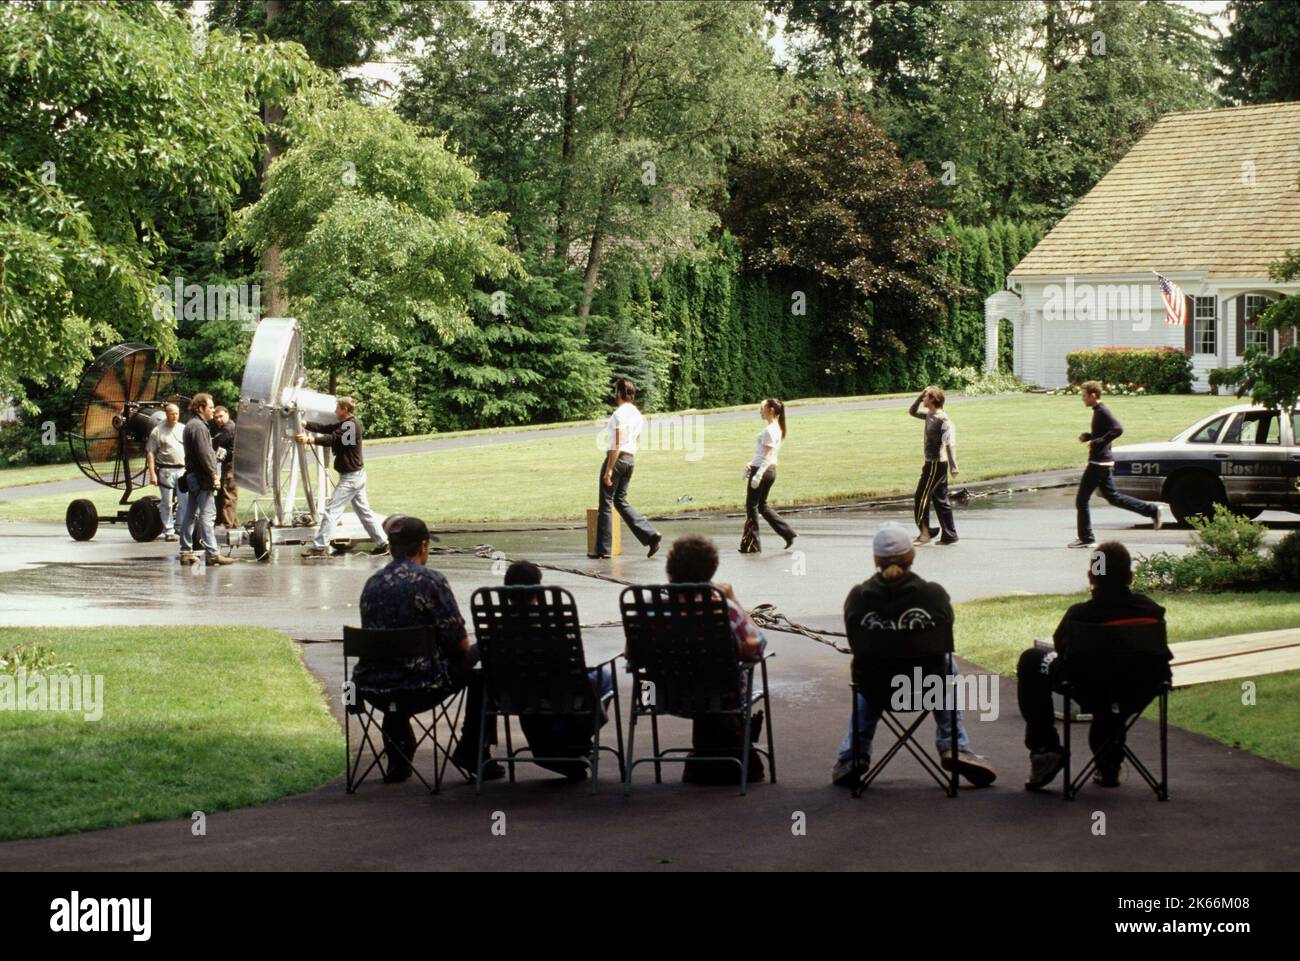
(616, 473)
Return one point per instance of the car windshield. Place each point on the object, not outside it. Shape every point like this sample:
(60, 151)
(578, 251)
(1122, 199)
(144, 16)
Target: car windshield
(1209, 433)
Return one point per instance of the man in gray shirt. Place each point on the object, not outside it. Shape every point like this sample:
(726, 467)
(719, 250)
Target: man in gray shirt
(940, 462)
(164, 453)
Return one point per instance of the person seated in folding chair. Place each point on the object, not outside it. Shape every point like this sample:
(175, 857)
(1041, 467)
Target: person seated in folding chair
(1041, 672)
(561, 736)
(892, 596)
(406, 593)
(694, 559)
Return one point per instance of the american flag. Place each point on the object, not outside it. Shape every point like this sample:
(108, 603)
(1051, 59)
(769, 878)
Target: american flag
(1175, 302)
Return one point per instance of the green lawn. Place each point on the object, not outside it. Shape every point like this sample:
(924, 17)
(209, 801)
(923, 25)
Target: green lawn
(40, 474)
(826, 457)
(992, 633)
(194, 719)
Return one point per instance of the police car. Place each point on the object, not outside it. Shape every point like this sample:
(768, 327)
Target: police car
(1246, 457)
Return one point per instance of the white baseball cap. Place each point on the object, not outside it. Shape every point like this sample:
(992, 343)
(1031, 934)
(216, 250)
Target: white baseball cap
(892, 540)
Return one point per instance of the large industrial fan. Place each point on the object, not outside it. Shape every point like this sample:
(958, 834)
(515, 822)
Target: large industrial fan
(291, 479)
(118, 404)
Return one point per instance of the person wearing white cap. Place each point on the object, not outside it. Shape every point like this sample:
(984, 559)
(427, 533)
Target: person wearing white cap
(894, 598)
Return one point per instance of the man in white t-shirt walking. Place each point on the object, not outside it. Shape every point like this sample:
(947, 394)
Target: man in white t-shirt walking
(616, 473)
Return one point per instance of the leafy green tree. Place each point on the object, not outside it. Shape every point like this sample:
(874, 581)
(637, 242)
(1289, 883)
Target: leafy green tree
(837, 202)
(1274, 381)
(1261, 52)
(376, 231)
(115, 120)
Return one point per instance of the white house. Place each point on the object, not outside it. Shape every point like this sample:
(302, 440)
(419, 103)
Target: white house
(1209, 199)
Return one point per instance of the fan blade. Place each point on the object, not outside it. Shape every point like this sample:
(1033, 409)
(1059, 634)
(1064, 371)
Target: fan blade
(109, 387)
(136, 370)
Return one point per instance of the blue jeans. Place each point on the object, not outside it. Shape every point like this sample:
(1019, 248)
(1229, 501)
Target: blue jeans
(869, 715)
(168, 491)
(200, 502)
(350, 489)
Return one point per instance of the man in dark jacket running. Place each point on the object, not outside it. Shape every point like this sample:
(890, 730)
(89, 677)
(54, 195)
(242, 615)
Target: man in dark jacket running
(1099, 474)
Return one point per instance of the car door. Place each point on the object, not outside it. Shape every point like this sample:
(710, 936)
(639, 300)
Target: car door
(1293, 456)
(1254, 463)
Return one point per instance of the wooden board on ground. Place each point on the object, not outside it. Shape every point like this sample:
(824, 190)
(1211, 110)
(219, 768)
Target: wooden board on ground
(1240, 655)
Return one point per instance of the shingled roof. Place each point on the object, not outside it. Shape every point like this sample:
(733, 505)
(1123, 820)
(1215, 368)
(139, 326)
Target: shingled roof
(1181, 200)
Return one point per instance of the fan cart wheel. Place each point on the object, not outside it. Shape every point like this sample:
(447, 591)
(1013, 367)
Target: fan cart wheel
(262, 541)
(82, 519)
(144, 519)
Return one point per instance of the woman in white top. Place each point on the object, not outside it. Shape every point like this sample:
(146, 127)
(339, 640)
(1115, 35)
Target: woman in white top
(761, 474)
(616, 473)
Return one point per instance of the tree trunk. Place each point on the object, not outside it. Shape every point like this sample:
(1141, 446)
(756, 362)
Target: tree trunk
(273, 116)
(568, 113)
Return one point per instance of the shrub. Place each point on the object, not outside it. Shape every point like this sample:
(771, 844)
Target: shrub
(35, 659)
(1225, 377)
(977, 383)
(1226, 535)
(1158, 370)
(1286, 560)
(1199, 571)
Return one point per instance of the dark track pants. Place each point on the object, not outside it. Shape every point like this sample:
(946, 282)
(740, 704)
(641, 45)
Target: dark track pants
(614, 498)
(756, 504)
(1097, 477)
(1039, 674)
(933, 489)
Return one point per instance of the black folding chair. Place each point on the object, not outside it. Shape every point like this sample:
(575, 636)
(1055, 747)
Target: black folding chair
(879, 657)
(682, 656)
(399, 644)
(1117, 670)
(533, 663)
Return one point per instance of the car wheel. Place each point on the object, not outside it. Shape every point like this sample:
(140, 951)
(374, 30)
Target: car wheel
(1195, 495)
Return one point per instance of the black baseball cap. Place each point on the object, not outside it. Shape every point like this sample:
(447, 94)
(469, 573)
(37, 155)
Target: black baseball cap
(402, 529)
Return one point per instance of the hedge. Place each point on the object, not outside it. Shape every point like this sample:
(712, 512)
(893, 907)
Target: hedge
(1160, 370)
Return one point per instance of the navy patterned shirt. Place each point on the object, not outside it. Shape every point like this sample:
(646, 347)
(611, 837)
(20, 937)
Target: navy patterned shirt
(405, 593)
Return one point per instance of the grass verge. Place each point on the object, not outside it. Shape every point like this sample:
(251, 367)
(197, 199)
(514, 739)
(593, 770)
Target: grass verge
(194, 719)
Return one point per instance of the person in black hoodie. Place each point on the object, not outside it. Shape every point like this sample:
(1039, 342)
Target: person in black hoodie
(1040, 671)
(894, 598)
(1099, 474)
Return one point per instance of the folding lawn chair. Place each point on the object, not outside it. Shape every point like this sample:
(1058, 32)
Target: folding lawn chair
(682, 656)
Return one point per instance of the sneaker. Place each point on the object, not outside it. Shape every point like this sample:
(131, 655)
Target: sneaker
(945, 541)
(654, 545)
(923, 538)
(1106, 778)
(599, 557)
(1157, 521)
(1081, 542)
(790, 541)
(170, 537)
(845, 774)
(973, 767)
(380, 551)
(219, 560)
(188, 559)
(314, 551)
(396, 775)
(492, 770)
(1043, 767)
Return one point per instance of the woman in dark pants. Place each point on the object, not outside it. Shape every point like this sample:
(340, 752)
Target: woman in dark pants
(761, 473)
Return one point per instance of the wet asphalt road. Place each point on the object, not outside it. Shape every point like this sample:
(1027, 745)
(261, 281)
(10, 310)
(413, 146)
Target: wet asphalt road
(1228, 810)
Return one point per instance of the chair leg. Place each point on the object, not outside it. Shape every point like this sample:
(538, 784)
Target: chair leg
(1163, 793)
(744, 746)
(510, 750)
(952, 783)
(629, 762)
(767, 714)
(654, 736)
(618, 727)
(1065, 771)
(857, 788)
(482, 736)
(595, 744)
